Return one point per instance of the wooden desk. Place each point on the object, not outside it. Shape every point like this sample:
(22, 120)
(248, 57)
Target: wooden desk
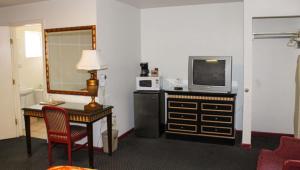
(79, 115)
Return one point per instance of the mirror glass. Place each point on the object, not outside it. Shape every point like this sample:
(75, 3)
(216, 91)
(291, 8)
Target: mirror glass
(63, 48)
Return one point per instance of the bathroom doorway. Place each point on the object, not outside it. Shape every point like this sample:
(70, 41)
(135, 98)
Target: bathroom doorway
(27, 52)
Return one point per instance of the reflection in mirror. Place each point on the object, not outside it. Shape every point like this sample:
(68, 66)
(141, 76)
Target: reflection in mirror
(63, 51)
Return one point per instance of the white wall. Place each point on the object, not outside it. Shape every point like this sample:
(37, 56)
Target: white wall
(258, 8)
(274, 68)
(115, 18)
(171, 34)
(55, 14)
(119, 39)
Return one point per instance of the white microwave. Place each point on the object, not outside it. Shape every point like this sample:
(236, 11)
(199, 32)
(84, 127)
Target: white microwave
(148, 83)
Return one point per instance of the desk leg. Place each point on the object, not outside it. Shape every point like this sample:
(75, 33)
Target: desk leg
(28, 135)
(90, 144)
(109, 133)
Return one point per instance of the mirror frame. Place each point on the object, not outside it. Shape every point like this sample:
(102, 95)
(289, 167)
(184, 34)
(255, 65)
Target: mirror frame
(46, 31)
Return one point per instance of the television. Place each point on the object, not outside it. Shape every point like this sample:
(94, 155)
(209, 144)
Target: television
(210, 74)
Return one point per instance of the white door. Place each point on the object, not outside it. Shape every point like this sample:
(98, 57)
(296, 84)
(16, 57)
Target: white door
(8, 128)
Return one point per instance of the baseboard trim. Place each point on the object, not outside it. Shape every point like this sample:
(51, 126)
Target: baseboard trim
(266, 134)
(100, 149)
(125, 135)
(246, 146)
(261, 134)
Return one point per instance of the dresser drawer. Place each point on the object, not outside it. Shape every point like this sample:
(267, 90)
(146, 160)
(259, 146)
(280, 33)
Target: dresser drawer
(182, 127)
(216, 130)
(182, 116)
(183, 105)
(216, 118)
(217, 107)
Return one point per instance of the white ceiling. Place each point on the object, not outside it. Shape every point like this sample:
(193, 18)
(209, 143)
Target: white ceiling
(164, 3)
(137, 3)
(4, 3)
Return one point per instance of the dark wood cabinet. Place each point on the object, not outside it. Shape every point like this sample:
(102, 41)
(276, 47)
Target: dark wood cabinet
(201, 116)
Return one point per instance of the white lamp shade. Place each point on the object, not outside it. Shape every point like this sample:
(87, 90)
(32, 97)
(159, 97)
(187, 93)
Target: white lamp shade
(89, 60)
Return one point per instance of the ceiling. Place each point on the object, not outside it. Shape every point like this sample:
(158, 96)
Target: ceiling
(4, 3)
(137, 3)
(164, 3)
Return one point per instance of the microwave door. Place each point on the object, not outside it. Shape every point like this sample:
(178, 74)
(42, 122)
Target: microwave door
(145, 83)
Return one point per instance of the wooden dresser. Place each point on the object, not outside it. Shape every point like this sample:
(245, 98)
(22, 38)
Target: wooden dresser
(201, 116)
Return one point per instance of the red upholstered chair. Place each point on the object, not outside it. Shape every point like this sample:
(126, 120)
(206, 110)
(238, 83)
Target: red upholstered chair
(60, 131)
(285, 157)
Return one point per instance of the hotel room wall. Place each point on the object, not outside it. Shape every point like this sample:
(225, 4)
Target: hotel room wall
(169, 35)
(55, 14)
(119, 43)
(118, 39)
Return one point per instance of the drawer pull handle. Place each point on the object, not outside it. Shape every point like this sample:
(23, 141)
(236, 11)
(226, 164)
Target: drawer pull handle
(181, 105)
(216, 118)
(216, 130)
(216, 107)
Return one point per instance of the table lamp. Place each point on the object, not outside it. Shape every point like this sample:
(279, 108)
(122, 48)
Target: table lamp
(90, 61)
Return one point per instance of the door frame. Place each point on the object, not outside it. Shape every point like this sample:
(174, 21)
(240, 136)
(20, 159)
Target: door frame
(12, 114)
(16, 92)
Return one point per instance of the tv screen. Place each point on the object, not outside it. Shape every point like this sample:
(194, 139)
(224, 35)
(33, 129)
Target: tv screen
(209, 72)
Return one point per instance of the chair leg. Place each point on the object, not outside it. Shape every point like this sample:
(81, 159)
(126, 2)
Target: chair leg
(49, 153)
(70, 153)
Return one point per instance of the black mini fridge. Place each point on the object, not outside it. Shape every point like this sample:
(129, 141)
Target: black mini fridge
(149, 115)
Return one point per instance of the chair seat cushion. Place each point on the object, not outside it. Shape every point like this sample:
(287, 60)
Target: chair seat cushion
(77, 133)
(268, 160)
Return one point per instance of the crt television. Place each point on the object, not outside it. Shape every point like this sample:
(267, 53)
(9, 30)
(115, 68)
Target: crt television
(210, 73)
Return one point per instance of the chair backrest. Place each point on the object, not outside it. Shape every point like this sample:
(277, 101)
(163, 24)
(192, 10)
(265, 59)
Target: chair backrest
(289, 148)
(57, 123)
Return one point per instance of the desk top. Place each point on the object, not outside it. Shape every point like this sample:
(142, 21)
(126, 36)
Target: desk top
(79, 107)
(76, 111)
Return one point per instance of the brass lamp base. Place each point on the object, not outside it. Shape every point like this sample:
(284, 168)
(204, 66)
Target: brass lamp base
(92, 88)
(93, 106)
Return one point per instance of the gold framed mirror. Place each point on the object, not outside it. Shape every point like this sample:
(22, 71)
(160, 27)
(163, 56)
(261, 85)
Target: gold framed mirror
(63, 48)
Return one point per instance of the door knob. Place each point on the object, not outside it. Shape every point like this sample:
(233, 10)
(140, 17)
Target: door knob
(247, 90)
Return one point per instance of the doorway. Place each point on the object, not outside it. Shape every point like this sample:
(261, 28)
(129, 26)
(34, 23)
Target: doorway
(275, 56)
(27, 52)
